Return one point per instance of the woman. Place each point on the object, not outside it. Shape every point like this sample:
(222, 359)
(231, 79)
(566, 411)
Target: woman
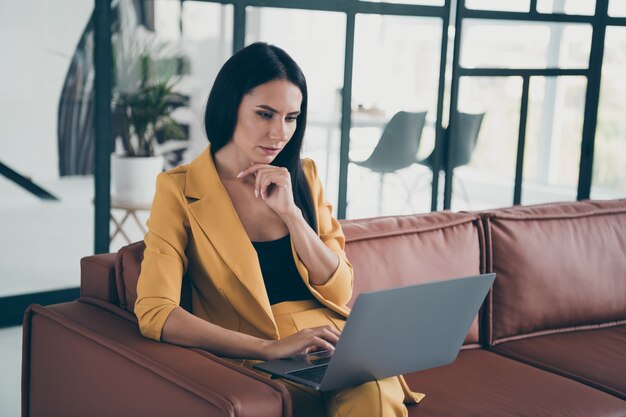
(248, 223)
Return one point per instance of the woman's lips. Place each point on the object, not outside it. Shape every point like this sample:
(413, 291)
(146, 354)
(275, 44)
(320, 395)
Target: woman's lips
(270, 151)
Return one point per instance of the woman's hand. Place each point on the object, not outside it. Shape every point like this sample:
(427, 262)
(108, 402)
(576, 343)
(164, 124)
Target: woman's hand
(273, 185)
(305, 341)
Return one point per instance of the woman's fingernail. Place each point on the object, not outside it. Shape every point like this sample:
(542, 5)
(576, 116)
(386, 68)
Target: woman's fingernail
(263, 195)
(239, 175)
(256, 193)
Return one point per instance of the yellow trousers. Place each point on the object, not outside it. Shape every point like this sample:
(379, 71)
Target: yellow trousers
(383, 398)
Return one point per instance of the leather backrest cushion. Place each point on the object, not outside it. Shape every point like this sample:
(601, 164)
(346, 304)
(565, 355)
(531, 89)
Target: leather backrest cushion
(403, 250)
(557, 266)
(97, 277)
(385, 252)
(127, 269)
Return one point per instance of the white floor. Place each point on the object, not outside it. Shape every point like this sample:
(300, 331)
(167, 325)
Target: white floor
(11, 365)
(42, 242)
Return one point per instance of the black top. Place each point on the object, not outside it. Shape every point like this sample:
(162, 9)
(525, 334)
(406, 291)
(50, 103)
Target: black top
(281, 277)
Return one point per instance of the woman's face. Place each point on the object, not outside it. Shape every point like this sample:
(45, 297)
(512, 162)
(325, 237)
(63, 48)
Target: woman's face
(266, 120)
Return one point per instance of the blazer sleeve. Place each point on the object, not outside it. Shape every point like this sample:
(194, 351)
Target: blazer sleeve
(338, 288)
(164, 261)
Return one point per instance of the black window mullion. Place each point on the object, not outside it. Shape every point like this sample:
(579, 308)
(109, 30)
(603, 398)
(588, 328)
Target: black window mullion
(346, 115)
(239, 26)
(454, 99)
(521, 143)
(592, 99)
(103, 84)
(439, 132)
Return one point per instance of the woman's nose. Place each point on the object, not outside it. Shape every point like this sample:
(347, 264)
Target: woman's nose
(279, 130)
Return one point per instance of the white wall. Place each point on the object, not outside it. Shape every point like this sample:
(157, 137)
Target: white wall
(37, 41)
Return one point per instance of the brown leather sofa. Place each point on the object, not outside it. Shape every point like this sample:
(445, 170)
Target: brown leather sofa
(550, 339)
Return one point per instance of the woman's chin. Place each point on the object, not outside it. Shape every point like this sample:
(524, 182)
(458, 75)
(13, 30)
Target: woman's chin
(264, 159)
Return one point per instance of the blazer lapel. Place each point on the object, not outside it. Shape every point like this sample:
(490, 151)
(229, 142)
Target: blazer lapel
(216, 215)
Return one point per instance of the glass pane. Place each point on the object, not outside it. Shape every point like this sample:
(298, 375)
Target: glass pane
(617, 8)
(186, 44)
(609, 166)
(38, 43)
(202, 34)
(316, 42)
(396, 68)
(579, 7)
(487, 180)
(508, 6)
(524, 45)
(553, 136)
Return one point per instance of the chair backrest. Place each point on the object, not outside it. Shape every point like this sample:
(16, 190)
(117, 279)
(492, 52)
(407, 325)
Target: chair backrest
(463, 137)
(398, 143)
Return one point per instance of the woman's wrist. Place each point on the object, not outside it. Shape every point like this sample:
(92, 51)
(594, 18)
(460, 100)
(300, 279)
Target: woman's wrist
(264, 349)
(292, 218)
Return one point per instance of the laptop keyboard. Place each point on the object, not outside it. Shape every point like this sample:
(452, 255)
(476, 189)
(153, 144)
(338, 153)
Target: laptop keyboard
(314, 374)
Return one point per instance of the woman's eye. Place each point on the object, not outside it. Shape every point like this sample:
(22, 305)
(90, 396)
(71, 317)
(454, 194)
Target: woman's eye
(265, 115)
(292, 118)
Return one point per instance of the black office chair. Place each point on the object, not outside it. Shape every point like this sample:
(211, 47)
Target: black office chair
(462, 140)
(397, 147)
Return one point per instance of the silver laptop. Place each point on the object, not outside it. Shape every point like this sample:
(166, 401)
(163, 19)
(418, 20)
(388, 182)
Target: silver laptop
(392, 332)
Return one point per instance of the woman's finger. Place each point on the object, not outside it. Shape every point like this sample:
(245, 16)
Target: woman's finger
(273, 178)
(260, 175)
(323, 344)
(333, 329)
(252, 170)
(328, 335)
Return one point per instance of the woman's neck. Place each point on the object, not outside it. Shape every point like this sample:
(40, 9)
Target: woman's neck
(229, 162)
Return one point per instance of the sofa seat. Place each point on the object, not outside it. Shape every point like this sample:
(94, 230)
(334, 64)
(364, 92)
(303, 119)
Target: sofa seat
(594, 357)
(89, 357)
(483, 383)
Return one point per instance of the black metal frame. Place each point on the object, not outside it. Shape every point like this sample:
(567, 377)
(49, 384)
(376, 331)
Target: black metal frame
(599, 22)
(103, 83)
(12, 307)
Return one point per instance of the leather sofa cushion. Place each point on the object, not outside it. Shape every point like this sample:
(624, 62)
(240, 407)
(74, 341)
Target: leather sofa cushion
(481, 383)
(403, 250)
(594, 357)
(558, 266)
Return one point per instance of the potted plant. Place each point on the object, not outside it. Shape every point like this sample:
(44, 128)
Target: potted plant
(138, 117)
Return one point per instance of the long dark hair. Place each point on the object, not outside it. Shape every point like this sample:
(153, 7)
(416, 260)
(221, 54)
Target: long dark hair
(252, 66)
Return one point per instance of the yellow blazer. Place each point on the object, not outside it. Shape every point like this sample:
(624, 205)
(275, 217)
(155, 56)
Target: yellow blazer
(194, 229)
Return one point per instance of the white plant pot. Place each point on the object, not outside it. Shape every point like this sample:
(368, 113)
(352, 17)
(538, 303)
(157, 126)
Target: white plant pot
(133, 180)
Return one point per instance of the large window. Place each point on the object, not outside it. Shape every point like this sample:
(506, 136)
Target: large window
(533, 76)
(396, 69)
(535, 87)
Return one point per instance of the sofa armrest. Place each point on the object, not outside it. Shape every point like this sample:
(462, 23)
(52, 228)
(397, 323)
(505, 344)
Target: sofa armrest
(80, 359)
(97, 277)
